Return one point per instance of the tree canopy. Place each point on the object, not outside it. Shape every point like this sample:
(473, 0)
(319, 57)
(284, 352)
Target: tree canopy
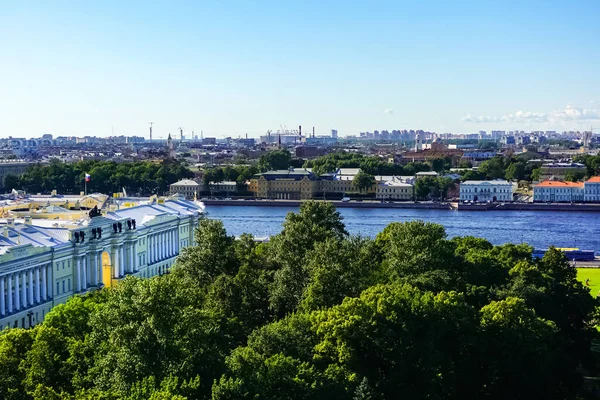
(143, 177)
(317, 313)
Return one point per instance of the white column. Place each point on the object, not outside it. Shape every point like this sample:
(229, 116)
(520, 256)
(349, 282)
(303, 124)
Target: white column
(172, 242)
(23, 290)
(30, 286)
(18, 293)
(161, 246)
(9, 297)
(117, 265)
(157, 246)
(78, 286)
(38, 285)
(44, 282)
(134, 266)
(2, 308)
(50, 281)
(131, 260)
(150, 249)
(99, 270)
(92, 268)
(84, 272)
(122, 261)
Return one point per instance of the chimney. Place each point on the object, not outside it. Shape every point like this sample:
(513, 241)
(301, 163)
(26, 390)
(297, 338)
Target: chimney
(10, 221)
(28, 220)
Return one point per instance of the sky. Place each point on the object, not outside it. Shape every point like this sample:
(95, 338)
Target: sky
(230, 68)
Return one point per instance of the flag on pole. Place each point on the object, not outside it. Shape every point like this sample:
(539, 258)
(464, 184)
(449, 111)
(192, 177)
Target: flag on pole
(87, 177)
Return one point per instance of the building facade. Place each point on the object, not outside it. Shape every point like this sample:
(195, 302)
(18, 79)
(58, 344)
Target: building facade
(394, 190)
(559, 170)
(186, 187)
(556, 191)
(292, 184)
(496, 190)
(44, 262)
(592, 190)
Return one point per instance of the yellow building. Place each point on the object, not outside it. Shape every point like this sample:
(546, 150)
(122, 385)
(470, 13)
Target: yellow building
(44, 262)
(292, 184)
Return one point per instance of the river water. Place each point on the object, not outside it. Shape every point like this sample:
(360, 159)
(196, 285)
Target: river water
(540, 229)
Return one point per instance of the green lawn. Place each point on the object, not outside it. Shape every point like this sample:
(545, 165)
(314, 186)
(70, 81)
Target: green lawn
(593, 274)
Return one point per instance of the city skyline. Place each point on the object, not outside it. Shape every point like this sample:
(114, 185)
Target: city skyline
(232, 69)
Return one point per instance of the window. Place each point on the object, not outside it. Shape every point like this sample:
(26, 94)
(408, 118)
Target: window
(57, 287)
(69, 283)
(63, 285)
(63, 265)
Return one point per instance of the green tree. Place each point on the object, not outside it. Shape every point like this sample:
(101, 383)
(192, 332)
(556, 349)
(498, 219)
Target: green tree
(11, 182)
(315, 223)
(14, 345)
(363, 181)
(273, 160)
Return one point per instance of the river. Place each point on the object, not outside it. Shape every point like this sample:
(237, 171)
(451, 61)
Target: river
(540, 229)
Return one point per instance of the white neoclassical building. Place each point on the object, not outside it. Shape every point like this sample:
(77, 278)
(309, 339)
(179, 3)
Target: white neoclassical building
(496, 190)
(43, 262)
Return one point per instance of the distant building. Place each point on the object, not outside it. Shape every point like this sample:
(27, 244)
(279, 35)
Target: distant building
(394, 190)
(426, 174)
(308, 151)
(225, 186)
(45, 262)
(292, 184)
(12, 167)
(557, 191)
(592, 190)
(334, 133)
(186, 187)
(559, 170)
(496, 190)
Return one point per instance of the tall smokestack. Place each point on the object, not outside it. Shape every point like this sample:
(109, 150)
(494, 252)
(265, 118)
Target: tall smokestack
(313, 131)
(300, 131)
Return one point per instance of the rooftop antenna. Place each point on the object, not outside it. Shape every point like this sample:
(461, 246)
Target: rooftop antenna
(151, 123)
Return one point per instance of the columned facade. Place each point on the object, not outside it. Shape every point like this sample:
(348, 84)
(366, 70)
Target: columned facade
(36, 276)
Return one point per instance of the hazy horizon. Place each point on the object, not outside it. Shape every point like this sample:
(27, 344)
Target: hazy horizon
(227, 69)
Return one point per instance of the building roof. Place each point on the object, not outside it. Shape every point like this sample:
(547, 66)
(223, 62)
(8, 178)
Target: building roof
(494, 182)
(427, 173)
(594, 179)
(295, 174)
(185, 182)
(561, 184)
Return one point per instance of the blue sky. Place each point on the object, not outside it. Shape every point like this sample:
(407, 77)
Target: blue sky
(235, 67)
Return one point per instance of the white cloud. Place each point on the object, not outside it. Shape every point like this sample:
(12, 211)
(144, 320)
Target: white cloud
(570, 113)
(388, 111)
(573, 113)
(526, 116)
(481, 119)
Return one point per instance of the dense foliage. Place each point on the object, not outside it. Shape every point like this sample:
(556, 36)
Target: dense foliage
(369, 165)
(318, 314)
(140, 177)
(592, 164)
(511, 168)
(232, 173)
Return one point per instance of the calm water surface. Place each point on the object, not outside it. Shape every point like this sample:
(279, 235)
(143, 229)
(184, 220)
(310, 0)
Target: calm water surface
(540, 229)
